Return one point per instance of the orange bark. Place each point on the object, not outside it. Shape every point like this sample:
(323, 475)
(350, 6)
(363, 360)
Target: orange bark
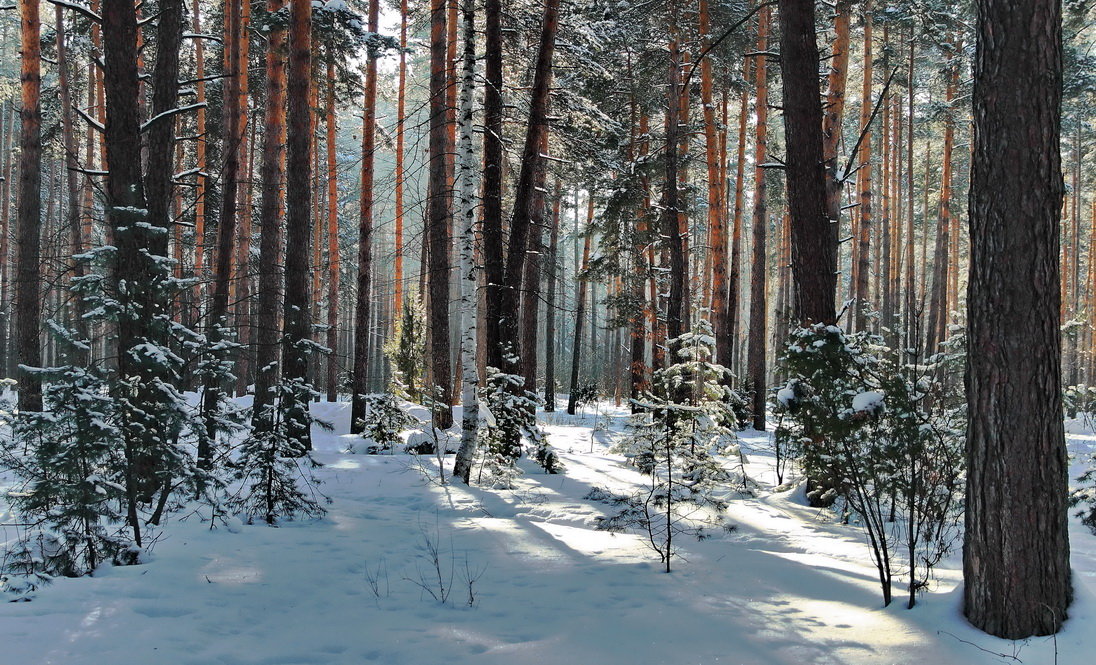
(401, 96)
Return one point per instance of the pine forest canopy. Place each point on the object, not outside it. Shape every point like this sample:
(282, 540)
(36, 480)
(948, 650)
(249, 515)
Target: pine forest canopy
(505, 202)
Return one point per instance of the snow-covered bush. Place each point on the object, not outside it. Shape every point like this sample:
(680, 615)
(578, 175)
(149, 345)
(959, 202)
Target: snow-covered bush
(683, 422)
(109, 453)
(878, 436)
(510, 415)
(71, 486)
(384, 420)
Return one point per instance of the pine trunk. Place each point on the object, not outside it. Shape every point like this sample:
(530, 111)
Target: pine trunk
(814, 251)
(28, 222)
(1016, 546)
(360, 374)
(755, 361)
(271, 175)
(438, 220)
(522, 218)
(295, 310)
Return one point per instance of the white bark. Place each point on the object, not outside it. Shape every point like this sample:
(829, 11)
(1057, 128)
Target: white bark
(466, 192)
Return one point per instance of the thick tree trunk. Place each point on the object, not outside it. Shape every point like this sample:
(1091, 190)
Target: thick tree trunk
(438, 220)
(1016, 545)
(271, 175)
(28, 222)
(530, 292)
(525, 190)
(295, 308)
(814, 250)
(493, 259)
(717, 223)
(126, 209)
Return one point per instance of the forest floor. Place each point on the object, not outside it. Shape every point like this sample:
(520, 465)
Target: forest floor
(528, 579)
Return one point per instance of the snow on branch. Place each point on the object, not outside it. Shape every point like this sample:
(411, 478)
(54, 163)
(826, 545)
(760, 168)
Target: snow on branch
(172, 112)
(79, 8)
(90, 120)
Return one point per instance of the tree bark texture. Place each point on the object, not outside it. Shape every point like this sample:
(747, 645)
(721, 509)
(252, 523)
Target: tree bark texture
(1016, 547)
(814, 249)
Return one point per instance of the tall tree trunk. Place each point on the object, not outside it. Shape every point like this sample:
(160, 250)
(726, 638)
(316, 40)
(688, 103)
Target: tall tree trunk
(938, 304)
(242, 278)
(5, 234)
(360, 374)
(863, 243)
(133, 271)
(232, 127)
(717, 223)
(550, 304)
(28, 223)
(580, 312)
(524, 193)
(493, 259)
(333, 238)
(401, 110)
(295, 309)
(530, 292)
(161, 131)
(202, 179)
(835, 110)
(671, 224)
(912, 309)
(438, 220)
(814, 250)
(72, 181)
(726, 344)
(271, 176)
(1016, 546)
(466, 177)
(755, 361)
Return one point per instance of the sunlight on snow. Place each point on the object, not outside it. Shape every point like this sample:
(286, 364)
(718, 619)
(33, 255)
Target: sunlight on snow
(345, 463)
(221, 571)
(608, 547)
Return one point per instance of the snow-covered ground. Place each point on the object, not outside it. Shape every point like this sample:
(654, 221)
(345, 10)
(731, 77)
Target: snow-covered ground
(529, 581)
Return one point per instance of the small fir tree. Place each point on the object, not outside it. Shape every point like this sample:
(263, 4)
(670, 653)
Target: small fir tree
(407, 350)
(383, 422)
(509, 413)
(683, 423)
(275, 473)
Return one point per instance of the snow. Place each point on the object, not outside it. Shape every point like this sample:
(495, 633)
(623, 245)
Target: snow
(786, 396)
(789, 585)
(868, 400)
